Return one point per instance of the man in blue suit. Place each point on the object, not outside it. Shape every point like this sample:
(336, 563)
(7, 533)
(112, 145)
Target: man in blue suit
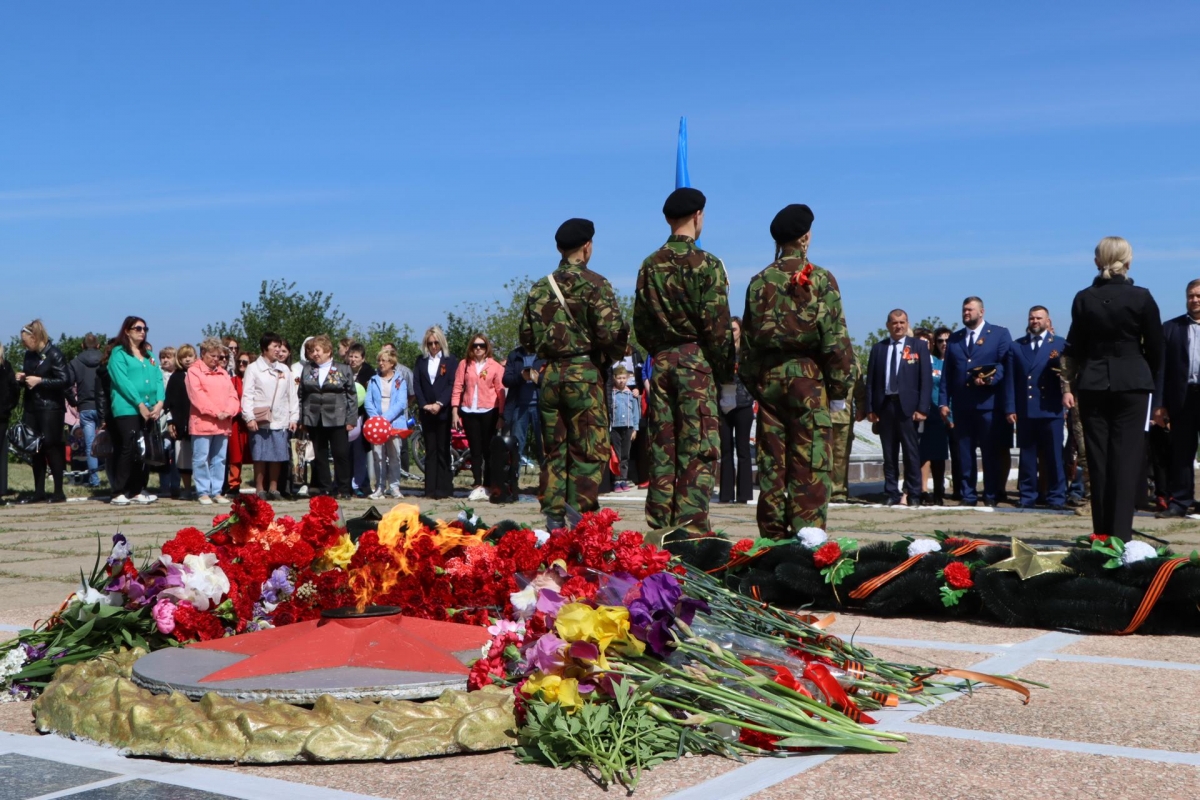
(899, 394)
(1034, 367)
(973, 385)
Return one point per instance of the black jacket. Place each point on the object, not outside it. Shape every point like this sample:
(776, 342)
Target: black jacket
(1116, 337)
(178, 404)
(51, 367)
(438, 390)
(521, 392)
(914, 376)
(363, 379)
(1173, 378)
(83, 367)
(10, 391)
(103, 393)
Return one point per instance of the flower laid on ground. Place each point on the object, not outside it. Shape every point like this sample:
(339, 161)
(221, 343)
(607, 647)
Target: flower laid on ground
(812, 538)
(826, 554)
(742, 546)
(919, 547)
(1136, 551)
(957, 575)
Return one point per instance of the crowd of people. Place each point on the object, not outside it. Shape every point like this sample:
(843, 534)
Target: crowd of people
(601, 416)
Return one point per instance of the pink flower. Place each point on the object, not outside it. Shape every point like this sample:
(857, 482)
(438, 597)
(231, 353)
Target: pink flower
(164, 615)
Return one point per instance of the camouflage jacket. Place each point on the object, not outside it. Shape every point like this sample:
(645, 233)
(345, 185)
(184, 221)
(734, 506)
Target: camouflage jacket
(786, 322)
(598, 329)
(683, 297)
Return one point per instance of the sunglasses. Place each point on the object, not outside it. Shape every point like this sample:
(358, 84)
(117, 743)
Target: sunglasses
(479, 346)
(141, 328)
(243, 363)
(432, 342)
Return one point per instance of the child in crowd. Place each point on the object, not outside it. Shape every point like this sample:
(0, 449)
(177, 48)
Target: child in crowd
(626, 416)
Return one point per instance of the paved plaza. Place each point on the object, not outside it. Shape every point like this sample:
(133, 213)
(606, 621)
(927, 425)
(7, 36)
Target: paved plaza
(1117, 720)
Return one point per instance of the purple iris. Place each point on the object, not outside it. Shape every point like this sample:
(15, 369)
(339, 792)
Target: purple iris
(654, 612)
(545, 654)
(120, 550)
(550, 601)
(35, 652)
(616, 589)
(277, 587)
(143, 589)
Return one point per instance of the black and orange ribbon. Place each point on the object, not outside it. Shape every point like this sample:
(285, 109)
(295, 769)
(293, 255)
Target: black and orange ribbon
(867, 588)
(1153, 593)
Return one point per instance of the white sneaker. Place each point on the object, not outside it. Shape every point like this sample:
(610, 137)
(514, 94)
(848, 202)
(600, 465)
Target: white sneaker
(220, 499)
(395, 493)
(145, 499)
(478, 493)
(377, 494)
(204, 500)
(119, 500)
(302, 491)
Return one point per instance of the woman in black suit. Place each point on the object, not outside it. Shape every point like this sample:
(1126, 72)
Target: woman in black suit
(1116, 345)
(433, 378)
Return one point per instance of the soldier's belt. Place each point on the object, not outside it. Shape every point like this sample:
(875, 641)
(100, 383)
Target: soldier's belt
(570, 356)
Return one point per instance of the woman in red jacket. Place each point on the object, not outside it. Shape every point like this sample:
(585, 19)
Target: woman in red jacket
(239, 439)
(477, 407)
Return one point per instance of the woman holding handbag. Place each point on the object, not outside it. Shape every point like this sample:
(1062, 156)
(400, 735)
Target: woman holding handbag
(329, 411)
(136, 402)
(271, 411)
(477, 407)
(45, 378)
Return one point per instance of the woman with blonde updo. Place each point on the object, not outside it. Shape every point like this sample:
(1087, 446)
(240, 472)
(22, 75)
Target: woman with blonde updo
(1114, 349)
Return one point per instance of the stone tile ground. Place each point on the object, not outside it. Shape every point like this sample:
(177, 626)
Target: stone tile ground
(1117, 721)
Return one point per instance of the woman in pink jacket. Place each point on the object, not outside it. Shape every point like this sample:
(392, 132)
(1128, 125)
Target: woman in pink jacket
(214, 405)
(477, 406)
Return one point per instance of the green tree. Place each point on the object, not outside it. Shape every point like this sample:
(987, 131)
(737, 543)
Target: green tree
(292, 314)
(401, 337)
(458, 333)
(499, 319)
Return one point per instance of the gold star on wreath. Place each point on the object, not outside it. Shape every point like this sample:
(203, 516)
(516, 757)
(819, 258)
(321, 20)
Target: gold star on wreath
(1028, 562)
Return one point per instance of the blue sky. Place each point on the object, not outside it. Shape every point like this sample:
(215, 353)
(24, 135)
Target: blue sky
(162, 160)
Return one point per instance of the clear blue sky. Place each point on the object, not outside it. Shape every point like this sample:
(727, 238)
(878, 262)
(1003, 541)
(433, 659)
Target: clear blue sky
(162, 160)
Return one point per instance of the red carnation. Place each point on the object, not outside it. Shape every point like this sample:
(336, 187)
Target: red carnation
(189, 541)
(742, 546)
(253, 511)
(1098, 537)
(191, 625)
(827, 554)
(958, 575)
(324, 507)
(579, 588)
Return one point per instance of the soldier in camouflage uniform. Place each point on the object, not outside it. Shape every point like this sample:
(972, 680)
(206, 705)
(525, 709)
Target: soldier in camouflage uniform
(843, 436)
(681, 317)
(1068, 378)
(573, 322)
(798, 365)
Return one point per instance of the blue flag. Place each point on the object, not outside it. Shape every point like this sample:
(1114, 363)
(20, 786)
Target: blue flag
(681, 170)
(682, 178)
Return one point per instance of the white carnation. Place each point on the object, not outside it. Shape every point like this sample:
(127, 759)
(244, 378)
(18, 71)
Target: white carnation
(812, 538)
(541, 536)
(524, 602)
(204, 583)
(919, 547)
(1136, 551)
(11, 664)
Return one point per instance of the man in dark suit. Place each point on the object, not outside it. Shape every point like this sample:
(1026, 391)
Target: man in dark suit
(973, 384)
(1179, 401)
(1034, 366)
(899, 393)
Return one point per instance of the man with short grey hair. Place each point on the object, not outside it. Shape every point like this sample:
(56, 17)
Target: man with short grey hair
(1178, 401)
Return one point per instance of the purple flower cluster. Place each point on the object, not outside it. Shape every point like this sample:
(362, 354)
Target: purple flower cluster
(659, 605)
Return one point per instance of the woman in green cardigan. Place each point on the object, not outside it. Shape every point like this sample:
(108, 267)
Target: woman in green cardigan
(137, 399)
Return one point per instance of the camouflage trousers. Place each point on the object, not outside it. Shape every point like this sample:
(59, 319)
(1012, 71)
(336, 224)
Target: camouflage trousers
(685, 440)
(842, 434)
(1076, 424)
(794, 451)
(575, 432)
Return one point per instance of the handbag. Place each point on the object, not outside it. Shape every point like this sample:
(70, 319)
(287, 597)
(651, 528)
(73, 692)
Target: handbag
(23, 440)
(102, 445)
(262, 414)
(150, 445)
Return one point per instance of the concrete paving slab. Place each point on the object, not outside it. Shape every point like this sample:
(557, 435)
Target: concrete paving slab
(930, 767)
(1153, 648)
(1127, 706)
(848, 625)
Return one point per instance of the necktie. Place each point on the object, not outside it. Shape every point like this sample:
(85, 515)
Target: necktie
(1037, 343)
(971, 340)
(894, 369)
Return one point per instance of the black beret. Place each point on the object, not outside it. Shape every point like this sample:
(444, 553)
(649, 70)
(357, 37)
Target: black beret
(791, 223)
(683, 203)
(574, 234)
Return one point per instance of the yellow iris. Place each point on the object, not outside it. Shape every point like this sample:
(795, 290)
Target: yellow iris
(339, 555)
(603, 626)
(555, 689)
